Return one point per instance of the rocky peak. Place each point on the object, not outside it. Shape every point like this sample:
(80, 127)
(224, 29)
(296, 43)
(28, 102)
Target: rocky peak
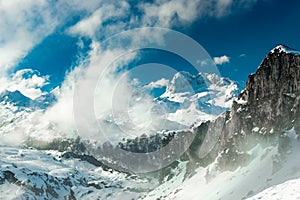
(284, 49)
(278, 74)
(15, 98)
(270, 101)
(185, 82)
(265, 109)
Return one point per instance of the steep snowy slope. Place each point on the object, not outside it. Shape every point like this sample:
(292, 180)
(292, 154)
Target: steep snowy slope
(264, 170)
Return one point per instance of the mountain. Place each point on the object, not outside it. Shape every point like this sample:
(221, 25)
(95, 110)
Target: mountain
(33, 174)
(16, 98)
(198, 97)
(264, 110)
(188, 99)
(266, 116)
(274, 90)
(251, 147)
(237, 155)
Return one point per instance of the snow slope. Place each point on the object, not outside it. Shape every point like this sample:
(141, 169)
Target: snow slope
(33, 174)
(246, 181)
(287, 190)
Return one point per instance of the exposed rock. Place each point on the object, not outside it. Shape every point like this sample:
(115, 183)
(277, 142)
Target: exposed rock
(268, 106)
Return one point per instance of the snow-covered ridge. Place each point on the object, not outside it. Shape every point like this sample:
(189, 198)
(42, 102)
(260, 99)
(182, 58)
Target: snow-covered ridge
(183, 101)
(282, 48)
(196, 98)
(185, 82)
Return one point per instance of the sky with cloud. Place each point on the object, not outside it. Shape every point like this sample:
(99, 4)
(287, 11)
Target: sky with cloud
(67, 45)
(55, 37)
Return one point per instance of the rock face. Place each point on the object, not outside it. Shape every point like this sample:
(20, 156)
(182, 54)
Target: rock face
(268, 106)
(271, 93)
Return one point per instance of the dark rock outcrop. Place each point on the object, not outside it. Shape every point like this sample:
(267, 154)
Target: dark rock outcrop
(271, 93)
(265, 109)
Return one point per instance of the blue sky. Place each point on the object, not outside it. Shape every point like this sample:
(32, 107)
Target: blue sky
(252, 33)
(243, 32)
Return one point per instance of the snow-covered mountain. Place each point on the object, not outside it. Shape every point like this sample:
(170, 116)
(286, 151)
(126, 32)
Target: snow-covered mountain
(16, 98)
(186, 100)
(198, 97)
(237, 155)
(284, 49)
(32, 174)
(252, 147)
(22, 117)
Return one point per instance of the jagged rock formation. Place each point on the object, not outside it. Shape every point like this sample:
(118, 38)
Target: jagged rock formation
(268, 106)
(273, 91)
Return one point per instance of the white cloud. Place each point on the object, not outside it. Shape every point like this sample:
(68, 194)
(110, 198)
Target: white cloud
(157, 84)
(166, 13)
(20, 30)
(111, 95)
(24, 24)
(221, 60)
(92, 24)
(162, 13)
(169, 13)
(27, 81)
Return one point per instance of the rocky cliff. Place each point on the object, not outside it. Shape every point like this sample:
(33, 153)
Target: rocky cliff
(268, 106)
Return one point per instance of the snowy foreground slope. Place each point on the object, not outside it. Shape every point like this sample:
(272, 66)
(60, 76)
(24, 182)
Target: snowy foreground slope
(28, 173)
(287, 190)
(243, 182)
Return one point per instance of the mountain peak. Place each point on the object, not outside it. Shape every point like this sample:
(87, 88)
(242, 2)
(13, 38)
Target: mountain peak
(281, 48)
(278, 70)
(15, 97)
